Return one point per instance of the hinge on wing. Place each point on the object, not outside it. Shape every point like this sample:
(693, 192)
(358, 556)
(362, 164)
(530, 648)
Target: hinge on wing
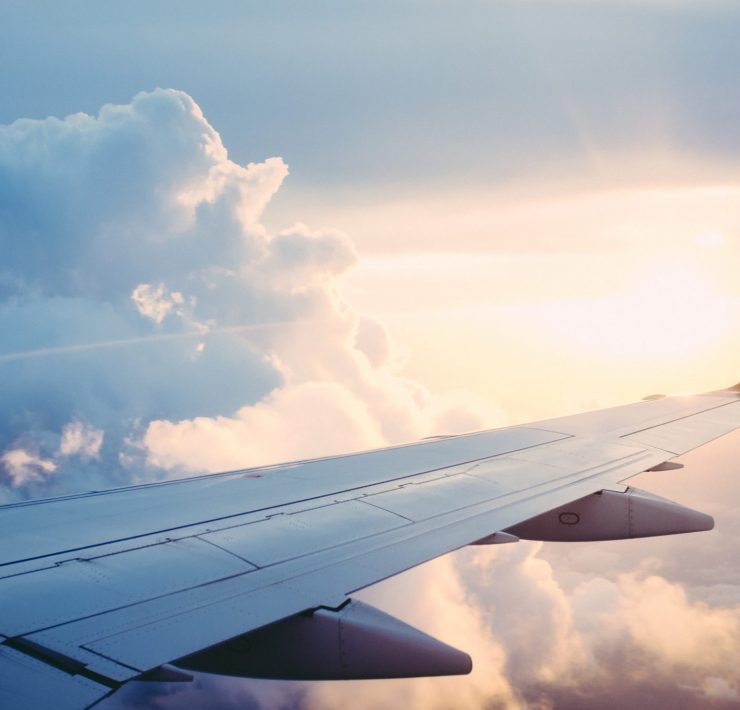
(58, 660)
(498, 538)
(166, 674)
(666, 466)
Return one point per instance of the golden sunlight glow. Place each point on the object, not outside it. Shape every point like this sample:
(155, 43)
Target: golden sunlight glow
(624, 293)
(711, 239)
(672, 311)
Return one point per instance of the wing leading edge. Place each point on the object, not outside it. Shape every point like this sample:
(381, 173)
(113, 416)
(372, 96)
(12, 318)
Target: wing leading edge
(217, 571)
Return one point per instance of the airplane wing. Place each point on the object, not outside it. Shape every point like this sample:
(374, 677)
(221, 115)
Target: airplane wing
(251, 573)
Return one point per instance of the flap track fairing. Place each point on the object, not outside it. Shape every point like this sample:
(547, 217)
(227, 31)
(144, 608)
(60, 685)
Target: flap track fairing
(353, 642)
(612, 515)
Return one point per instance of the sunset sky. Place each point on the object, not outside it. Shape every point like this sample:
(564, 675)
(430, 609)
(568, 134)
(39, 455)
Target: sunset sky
(238, 233)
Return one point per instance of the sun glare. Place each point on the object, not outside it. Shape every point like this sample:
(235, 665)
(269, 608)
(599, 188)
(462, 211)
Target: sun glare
(673, 310)
(710, 239)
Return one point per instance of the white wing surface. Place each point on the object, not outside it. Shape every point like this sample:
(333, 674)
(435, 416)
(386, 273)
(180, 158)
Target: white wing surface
(251, 572)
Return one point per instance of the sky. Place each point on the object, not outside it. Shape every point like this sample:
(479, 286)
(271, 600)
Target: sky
(245, 233)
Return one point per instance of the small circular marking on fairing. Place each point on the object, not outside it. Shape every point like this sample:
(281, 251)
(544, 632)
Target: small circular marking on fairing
(570, 518)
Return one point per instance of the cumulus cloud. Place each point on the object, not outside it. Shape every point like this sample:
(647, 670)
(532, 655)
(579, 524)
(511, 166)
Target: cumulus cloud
(154, 302)
(660, 618)
(165, 329)
(81, 440)
(720, 689)
(22, 466)
(291, 423)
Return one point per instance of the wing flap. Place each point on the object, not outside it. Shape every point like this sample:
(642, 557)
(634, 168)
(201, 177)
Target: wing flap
(91, 586)
(283, 537)
(29, 684)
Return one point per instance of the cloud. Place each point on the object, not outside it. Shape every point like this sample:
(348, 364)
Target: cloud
(165, 329)
(283, 426)
(661, 619)
(720, 689)
(81, 440)
(23, 466)
(154, 302)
